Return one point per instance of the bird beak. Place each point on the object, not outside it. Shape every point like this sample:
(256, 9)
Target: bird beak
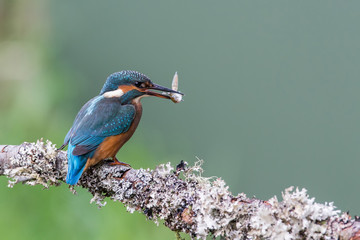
(164, 94)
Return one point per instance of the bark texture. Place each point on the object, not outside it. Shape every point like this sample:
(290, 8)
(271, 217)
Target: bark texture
(185, 200)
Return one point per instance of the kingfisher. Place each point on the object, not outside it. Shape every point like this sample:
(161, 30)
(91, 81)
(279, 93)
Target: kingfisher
(106, 122)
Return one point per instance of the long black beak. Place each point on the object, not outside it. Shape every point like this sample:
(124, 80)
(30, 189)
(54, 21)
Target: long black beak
(163, 89)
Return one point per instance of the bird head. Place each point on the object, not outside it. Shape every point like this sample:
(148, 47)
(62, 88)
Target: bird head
(131, 85)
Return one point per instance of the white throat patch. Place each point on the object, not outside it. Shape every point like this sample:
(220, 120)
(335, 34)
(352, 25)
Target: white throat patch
(116, 93)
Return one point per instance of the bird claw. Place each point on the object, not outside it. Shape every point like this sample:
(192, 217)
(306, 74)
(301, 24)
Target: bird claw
(117, 162)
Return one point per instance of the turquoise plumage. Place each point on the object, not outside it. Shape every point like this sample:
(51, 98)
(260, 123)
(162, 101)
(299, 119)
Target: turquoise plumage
(106, 122)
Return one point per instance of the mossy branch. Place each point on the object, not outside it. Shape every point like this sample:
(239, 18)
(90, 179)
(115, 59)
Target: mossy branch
(185, 200)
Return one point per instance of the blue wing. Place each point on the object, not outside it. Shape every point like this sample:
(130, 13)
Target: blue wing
(99, 118)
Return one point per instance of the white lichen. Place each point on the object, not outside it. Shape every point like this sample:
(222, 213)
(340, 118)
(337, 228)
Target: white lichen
(206, 207)
(186, 201)
(98, 199)
(36, 165)
(297, 216)
(164, 170)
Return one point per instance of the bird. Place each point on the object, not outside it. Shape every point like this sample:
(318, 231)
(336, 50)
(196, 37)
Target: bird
(106, 122)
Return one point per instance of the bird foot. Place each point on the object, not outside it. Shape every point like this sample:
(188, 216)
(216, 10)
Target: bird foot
(117, 162)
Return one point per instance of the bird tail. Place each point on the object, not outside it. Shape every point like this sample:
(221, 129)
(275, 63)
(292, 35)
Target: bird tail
(76, 165)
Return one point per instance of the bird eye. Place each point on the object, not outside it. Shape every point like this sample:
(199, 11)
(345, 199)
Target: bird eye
(137, 84)
(140, 84)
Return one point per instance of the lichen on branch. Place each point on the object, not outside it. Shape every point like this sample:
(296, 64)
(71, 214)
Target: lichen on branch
(183, 198)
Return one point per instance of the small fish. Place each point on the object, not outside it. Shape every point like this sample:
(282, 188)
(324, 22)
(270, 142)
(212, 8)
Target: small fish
(175, 97)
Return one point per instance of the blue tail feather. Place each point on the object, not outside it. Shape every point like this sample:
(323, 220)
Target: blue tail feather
(76, 165)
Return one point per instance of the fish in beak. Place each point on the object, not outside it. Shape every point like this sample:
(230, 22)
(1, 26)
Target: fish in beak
(165, 92)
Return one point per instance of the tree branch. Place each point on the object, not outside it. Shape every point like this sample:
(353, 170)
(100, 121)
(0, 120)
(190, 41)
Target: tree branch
(185, 200)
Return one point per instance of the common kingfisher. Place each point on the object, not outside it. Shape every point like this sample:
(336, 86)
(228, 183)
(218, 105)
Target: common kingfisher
(106, 122)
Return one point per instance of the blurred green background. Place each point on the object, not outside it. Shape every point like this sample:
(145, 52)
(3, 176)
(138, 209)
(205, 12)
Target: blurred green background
(272, 93)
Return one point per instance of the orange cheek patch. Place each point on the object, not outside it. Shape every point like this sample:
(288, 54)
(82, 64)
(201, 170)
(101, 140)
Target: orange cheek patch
(127, 88)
